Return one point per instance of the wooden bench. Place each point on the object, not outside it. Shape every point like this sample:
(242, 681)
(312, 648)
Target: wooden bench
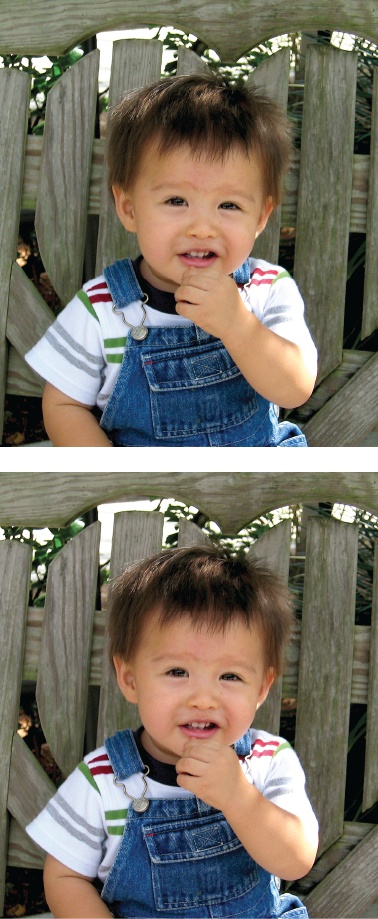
(330, 192)
(331, 663)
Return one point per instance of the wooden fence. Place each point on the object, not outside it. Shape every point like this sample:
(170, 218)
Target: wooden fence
(331, 663)
(329, 194)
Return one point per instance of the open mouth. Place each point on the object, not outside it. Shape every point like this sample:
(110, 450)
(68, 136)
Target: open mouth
(195, 256)
(199, 728)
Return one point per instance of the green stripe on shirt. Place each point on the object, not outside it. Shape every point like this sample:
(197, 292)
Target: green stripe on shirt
(283, 746)
(282, 274)
(88, 775)
(87, 303)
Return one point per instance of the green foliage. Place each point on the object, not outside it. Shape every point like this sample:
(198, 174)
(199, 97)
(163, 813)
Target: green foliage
(44, 550)
(43, 78)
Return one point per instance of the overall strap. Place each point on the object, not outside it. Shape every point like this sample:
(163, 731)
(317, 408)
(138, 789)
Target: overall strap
(242, 275)
(122, 283)
(123, 754)
(242, 747)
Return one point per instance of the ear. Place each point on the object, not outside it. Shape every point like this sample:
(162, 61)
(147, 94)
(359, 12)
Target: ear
(125, 679)
(265, 686)
(124, 207)
(264, 216)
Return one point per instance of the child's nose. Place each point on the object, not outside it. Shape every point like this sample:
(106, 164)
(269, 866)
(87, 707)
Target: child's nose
(202, 226)
(203, 697)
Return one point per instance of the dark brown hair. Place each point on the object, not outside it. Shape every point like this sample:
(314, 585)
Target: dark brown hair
(210, 586)
(206, 112)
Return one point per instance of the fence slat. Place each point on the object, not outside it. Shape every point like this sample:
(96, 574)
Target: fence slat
(370, 795)
(135, 63)
(323, 213)
(273, 548)
(62, 204)
(326, 658)
(66, 646)
(14, 98)
(15, 563)
(370, 304)
(333, 425)
(135, 535)
(272, 77)
(351, 886)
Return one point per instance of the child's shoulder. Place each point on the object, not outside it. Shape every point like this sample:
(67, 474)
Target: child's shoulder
(264, 744)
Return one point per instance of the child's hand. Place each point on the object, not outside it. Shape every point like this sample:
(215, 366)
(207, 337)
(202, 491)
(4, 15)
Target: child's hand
(210, 299)
(211, 771)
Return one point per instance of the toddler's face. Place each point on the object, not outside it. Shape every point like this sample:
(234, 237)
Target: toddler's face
(190, 211)
(194, 683)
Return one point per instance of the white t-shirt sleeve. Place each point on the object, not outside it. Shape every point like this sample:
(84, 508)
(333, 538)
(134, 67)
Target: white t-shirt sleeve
(71, 354)
(71, 826)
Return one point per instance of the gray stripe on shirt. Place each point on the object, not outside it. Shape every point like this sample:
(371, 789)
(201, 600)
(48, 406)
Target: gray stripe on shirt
(97, 831)
(75, 344)
(70, 358)
(58, 817)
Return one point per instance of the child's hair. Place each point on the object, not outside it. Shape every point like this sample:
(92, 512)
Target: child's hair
(206, 112)
(210, 586)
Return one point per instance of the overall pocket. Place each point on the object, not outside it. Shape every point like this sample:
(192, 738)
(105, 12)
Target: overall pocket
(196, 389)
(197, 862)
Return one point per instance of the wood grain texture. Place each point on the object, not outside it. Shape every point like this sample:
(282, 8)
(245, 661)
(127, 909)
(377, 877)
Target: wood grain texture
(63, 677)
(228, 26)
(230, 499)
(370, 795)
(135, 536)
(62, 205)
(323, 215)
(272, 78)
(325, 668)
(333, 426)
(135, 63)
(273, 549)
(14, 97)
(351, 886)
(370, 305)
(15, 563)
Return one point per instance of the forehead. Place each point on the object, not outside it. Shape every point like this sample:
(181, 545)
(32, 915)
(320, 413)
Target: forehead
(181, 163)
(182, 635)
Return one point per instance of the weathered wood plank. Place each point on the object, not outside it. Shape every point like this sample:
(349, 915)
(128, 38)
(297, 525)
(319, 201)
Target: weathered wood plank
(29, 316)
(272, 77)
(228, 26)
(15, 563)
(190, 535)
(135, 535)
(22, 852)
(370, 795)
(273, 549)
(189, 62)
(231, 499)
(323, 214)
(370, 305)
(325, 670)
(360, 175)
(14, 97)
(21, 379)
(66, 646)
(351, 886)
(62, 205)
(134, 63)
(335, 426)
(26, 773)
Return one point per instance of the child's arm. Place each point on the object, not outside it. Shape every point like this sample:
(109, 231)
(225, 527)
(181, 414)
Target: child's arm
(69, 423)
(276, 368)
(276, 839)
(70, 894)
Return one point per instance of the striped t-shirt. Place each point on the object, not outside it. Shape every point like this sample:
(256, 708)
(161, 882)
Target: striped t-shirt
(82, 351)
(82, 825)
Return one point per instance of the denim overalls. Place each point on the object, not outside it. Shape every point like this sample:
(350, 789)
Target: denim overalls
(179, 387)
(180, 858)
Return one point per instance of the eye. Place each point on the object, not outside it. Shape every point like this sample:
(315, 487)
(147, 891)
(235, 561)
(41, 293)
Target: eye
(229, 206)
(231, 677)
(176, 201)
(176, 672)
